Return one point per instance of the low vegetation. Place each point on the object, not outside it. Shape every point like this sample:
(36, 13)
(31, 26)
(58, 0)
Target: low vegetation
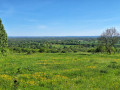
(69, 71)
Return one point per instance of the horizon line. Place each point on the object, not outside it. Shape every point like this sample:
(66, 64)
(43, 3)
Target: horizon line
(54, 36)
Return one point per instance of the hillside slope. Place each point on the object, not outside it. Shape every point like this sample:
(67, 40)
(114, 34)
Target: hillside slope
(70, 71)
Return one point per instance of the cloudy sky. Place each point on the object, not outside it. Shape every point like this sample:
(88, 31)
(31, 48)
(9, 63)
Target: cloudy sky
(59, 17)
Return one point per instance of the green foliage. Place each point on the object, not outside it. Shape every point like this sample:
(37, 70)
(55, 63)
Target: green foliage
(100, 49)
(29, 52)
(92, 50)
(41, 50)
(58, 45)
(3, 39)
(108, 39)
(51, 44)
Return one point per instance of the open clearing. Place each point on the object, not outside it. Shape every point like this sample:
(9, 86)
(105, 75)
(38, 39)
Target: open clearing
(53, 71)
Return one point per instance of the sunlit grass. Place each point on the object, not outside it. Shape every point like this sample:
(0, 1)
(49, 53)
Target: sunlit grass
(71, 71)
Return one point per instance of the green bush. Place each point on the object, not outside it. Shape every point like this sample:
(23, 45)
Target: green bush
(41, 50)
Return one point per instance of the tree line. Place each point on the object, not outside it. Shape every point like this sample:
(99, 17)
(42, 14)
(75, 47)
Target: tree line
(107, 42)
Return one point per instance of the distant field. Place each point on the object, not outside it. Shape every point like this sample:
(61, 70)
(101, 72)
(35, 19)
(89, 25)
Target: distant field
(69, 71)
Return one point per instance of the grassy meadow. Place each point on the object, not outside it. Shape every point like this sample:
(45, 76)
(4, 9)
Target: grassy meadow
(60, 71)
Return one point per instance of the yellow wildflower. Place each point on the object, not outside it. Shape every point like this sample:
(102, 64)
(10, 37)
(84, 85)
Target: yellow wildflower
(92, 67)
(6, 77)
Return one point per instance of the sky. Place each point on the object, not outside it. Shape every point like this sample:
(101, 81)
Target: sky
(59, 17)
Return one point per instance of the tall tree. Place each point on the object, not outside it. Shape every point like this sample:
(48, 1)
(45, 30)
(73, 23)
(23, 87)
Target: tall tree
(108, 39)
(3, 39)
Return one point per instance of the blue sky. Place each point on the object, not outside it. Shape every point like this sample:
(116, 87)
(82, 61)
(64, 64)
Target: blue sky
(59, 17)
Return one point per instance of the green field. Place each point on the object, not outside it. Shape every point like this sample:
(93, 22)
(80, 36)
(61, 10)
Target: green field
(69, 71)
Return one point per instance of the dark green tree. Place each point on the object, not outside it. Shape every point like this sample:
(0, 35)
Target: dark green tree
(3, 39)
